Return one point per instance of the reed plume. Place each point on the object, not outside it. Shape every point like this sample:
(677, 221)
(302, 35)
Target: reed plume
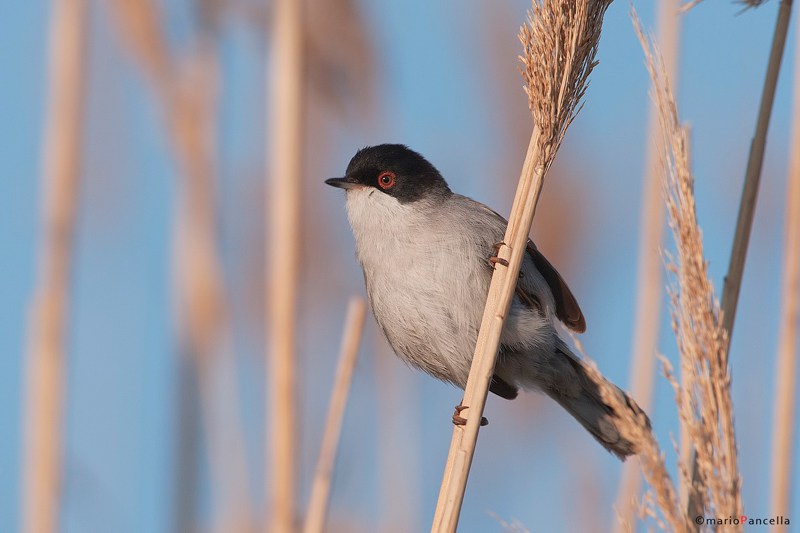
(704, 395)
(559, 44)
(649, 290)
(744, 220)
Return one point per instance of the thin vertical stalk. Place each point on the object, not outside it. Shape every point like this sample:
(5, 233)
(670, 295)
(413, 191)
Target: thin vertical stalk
(45, 388)
(560, 45)
(201, 289)
(649, 275)
(747, 207)
(501, 291)
(282, 256)
(348, 354)
(783, 425)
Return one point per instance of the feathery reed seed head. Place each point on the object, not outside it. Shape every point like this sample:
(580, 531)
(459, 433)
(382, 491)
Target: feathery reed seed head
(560, 43)
(662, 502)
(704, 396)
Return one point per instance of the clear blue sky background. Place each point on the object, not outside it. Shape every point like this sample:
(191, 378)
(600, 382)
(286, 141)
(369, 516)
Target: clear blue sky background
(439, 74)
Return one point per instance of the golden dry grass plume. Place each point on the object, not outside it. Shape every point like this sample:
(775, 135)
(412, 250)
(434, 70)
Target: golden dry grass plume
(704, 394)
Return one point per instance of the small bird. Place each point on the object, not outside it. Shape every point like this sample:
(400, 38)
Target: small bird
(427, 254)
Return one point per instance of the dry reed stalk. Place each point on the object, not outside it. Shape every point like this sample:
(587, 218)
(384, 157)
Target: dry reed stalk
(139, 25)
(744, 222)
(747, 207)
(783, 425)
(285, 120)
(61, 164)
(649, 282)
(560, 44)
(704, 396)
(187, 96)
(348, 354)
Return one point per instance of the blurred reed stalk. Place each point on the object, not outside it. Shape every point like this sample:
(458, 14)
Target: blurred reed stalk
(348, 355)
(649, 279)
(187, 94)
(783, 426)
(282, 245)
(201, 290)
(560, 44)
(744, 222)
(46, 358)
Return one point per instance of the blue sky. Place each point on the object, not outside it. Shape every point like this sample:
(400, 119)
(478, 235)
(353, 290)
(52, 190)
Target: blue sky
(441, 87)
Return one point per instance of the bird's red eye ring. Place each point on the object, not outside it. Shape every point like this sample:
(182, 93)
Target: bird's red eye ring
(386, 180)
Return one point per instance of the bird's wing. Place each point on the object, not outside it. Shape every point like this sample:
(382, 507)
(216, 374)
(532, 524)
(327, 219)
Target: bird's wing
(567, 309)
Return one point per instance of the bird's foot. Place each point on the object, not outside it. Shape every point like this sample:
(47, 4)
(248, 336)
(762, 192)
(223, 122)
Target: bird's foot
(461, 421)
(495, 260)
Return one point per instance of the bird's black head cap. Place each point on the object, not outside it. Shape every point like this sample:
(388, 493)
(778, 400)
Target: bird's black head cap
(396, 170)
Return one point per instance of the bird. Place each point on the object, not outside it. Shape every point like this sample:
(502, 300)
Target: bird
(428, 254)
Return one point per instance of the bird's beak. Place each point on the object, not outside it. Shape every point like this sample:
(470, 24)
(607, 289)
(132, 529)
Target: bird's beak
(343, 183)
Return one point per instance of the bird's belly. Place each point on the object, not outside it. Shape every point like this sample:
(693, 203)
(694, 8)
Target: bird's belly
(428, 314)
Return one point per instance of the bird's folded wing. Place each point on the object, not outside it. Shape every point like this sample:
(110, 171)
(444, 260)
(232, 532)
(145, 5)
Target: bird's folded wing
(567, 309)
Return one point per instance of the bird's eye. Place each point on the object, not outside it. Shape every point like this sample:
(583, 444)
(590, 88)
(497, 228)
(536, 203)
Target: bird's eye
(386, 180)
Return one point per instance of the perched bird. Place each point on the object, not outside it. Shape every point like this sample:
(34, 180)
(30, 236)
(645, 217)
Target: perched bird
(427, 256)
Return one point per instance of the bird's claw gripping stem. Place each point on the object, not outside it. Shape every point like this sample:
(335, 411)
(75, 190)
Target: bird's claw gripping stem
(495, 260)
(461, 421)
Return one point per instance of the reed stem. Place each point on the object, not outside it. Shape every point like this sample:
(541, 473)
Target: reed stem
(348, 355)
(282, 256)
(46, 358)
(501, 291)
(786, 362)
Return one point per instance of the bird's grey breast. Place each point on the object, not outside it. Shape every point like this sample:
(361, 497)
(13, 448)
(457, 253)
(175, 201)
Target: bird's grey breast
(426, 275)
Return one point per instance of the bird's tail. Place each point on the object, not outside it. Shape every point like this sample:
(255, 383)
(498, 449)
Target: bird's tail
(611, 427)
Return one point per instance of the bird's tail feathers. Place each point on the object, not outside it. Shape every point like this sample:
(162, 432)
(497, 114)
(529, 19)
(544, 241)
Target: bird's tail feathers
(609, 426)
